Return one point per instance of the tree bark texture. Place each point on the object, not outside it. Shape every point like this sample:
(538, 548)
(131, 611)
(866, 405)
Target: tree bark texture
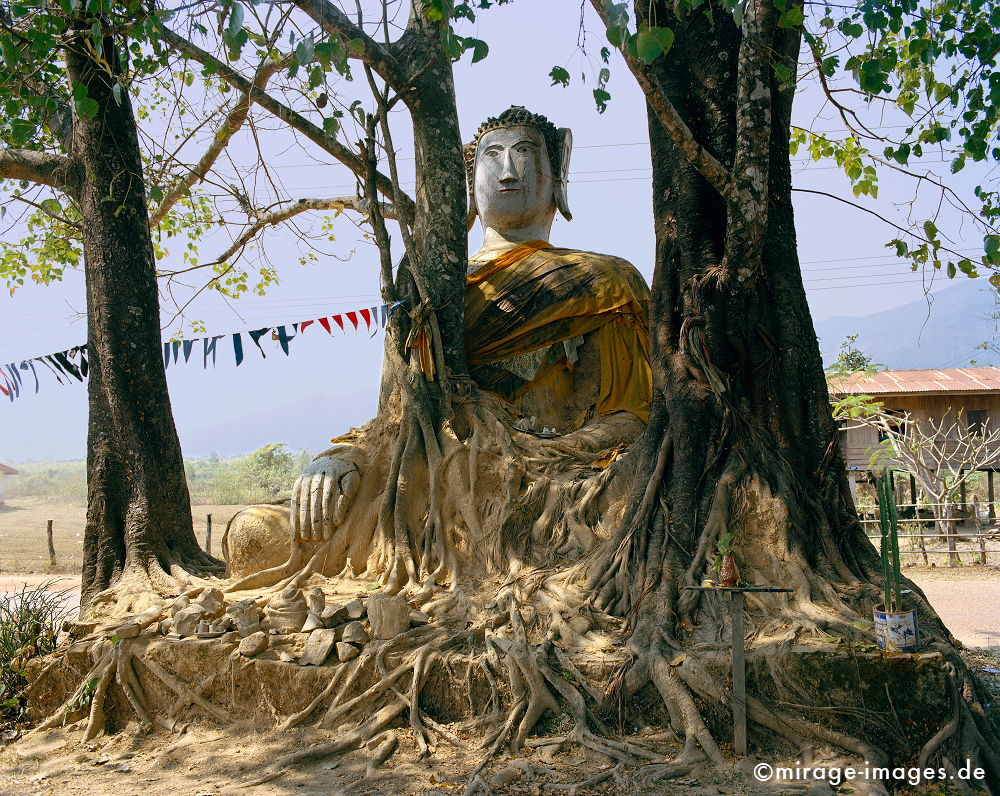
(138, 507)
(440, 238)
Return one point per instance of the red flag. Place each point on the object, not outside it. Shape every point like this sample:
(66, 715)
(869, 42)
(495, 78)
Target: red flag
(340, 323)
(304, 324)
(353, 318)
(366, 314)
(325, 323)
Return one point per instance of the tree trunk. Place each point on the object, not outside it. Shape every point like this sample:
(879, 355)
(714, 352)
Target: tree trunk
(741, 440)
(138, 507)
(740, 402)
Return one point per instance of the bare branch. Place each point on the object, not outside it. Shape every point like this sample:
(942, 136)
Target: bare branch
(314, 133)
(706, 164)
(362, 206)
(234, 121)
(43, 168)
(335, 22)
(879, 216)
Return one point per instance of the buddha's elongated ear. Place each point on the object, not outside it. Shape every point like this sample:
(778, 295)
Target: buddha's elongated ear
(562, 181)
(470, 219)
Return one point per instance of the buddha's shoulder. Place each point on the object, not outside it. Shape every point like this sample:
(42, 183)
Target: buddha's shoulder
(607, 263)
(590, 257)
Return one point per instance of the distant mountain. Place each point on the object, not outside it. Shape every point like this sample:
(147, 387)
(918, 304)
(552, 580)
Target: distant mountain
(942, 333)
(308, 423)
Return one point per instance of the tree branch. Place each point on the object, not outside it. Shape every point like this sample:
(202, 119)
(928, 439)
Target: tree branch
(335, 22)
(879, 216)
(314, 133)
(43, 168)
(234, 121)
(699, 157)
(362, 206)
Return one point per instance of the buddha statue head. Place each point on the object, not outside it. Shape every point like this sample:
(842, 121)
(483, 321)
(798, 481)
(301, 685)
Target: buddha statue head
(517, 166)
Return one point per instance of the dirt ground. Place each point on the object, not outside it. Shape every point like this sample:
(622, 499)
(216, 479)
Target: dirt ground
(210, 762)
(23, 544)
(206, 761)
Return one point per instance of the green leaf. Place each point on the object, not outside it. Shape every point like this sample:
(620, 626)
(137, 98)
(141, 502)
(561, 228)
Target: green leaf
(792, 18)
(647, 47)
(480, 49)
(601, 97)
(304, 50)
(86, 108)
(559, 76)
(616, 35)
(991, 245)
(930, 230)
(331, 125)
(235, 21)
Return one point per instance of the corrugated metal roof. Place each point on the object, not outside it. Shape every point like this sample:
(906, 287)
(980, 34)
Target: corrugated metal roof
(928, 382)
(5, 470)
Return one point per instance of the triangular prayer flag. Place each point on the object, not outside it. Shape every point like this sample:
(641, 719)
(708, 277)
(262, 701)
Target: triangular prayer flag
(166, 355)
(54, 366)
(68, 366)
(284, 339)
(188, 345)
(209, 348)
(353, 318)
(305, 325)
(29, 364)
(255, 335)
(385, 314)
(238, 348)
(339, 322)
(84, 364)
(366, 314)
(325, 323)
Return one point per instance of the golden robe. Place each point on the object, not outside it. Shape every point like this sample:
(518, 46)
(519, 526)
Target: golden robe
(536, 295)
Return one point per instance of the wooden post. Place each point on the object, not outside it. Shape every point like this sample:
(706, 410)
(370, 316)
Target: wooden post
(739, 675)
(913, 493)
(208, 534)
(52, 547)
(989, 487)
(962, 498)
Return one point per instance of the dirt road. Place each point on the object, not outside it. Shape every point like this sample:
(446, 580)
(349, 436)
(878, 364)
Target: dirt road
(967, 599)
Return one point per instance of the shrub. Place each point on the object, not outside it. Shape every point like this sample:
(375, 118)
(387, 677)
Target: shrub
(29, 623)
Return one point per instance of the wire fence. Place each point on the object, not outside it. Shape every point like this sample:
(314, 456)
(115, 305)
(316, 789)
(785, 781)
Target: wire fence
(963, 528)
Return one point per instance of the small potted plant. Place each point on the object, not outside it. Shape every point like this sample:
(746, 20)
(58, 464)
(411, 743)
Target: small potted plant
(729, 575)
(896, 629)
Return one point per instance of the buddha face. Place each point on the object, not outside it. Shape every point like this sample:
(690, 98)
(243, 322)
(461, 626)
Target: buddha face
(513, 180)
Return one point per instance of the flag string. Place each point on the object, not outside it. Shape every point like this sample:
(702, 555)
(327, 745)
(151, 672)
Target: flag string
(72, 365)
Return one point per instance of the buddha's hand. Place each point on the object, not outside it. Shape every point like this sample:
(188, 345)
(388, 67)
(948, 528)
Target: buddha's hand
(322, 495)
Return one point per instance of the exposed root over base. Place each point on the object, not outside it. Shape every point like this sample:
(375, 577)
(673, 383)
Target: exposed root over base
(534, 667)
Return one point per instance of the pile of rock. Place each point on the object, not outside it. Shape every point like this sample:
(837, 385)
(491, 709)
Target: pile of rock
(331, 628)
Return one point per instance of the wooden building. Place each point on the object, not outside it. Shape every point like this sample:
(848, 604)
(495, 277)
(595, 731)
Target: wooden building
(5, 471)
(924, 395)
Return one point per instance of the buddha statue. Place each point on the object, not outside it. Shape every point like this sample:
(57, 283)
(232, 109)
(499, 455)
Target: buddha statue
(558, 336)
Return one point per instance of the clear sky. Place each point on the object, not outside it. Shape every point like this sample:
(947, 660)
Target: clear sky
(846, 268)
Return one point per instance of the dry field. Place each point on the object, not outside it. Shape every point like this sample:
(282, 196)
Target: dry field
(23, 546)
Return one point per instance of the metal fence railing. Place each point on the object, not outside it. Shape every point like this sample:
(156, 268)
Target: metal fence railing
(966, 531)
